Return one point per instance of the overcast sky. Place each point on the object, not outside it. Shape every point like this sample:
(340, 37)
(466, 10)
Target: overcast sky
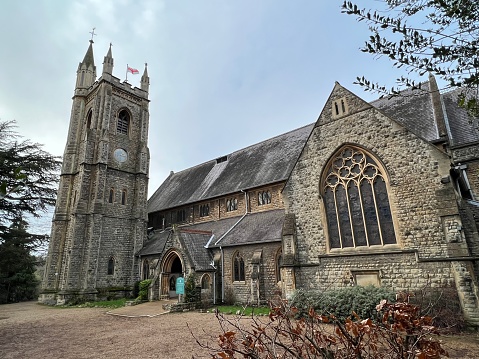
(223, 74)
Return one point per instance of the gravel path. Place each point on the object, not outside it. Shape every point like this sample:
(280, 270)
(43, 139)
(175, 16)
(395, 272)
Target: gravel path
(29, 330)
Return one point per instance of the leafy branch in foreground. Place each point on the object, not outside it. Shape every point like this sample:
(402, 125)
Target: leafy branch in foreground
(436, 36)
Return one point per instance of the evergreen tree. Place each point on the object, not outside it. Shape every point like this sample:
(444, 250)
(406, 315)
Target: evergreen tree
(17, 264)
(28, 181)
(437, 36)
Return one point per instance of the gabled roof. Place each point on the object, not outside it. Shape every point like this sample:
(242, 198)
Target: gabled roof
(258, 227)
(264, 163)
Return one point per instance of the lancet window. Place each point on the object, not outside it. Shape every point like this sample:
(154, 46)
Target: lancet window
(238, 268)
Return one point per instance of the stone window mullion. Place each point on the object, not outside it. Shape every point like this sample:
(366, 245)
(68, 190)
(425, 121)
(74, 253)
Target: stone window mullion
(355, 189)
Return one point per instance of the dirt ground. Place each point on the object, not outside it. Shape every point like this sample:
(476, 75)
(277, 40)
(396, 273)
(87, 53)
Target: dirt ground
(29, 330)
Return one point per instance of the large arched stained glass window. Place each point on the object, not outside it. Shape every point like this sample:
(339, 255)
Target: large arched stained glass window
(356, 201)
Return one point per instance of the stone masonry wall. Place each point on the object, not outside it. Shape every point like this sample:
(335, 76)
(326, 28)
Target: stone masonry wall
(242, 291)
(420, 203)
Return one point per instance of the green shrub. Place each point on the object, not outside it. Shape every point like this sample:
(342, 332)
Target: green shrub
(143, 289)
(342, 302)
(192, 294)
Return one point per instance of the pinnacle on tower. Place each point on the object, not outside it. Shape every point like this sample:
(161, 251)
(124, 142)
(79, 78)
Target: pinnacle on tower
(108, 62)
(86, 73)
(145, 80)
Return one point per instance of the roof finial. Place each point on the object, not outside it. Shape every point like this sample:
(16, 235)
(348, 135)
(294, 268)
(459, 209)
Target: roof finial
(92, 32)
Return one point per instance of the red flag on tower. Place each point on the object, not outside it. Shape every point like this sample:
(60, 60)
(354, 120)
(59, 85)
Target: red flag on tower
(132, 70)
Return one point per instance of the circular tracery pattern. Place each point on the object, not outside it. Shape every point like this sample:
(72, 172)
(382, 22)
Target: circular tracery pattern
(351, 164)
(356, 201)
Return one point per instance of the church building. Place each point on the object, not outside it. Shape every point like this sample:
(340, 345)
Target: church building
(382, 193)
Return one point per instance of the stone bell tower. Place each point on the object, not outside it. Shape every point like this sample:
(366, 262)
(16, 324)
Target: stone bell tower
(100, 216)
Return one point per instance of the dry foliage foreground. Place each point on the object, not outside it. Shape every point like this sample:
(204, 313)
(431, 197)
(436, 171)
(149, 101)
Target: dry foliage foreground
(29, 330)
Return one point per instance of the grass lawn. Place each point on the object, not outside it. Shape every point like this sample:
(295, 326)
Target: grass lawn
(248, 311)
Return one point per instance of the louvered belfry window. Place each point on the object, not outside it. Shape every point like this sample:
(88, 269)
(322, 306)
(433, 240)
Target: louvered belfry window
(356, 200)
(123, 122)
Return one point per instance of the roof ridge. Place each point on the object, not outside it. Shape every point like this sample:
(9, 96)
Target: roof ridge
(244, 148)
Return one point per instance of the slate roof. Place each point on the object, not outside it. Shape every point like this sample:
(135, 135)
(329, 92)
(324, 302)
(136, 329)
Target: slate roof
(156, 243)
(261, 227)
(199, 256)
(263, 163)
(413, 109)
(462, 129)
(258, 227)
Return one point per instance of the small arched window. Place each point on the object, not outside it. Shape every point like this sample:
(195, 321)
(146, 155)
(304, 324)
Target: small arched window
(146, 270)
(231, 204)
(356, 201)
(88, 119)
(238, 268)
(279, 262)
(123, 122)
(204, 210)
(111, 196)
(111, 266)
(264, 197)
(123, 197)
(205, 282)
(181, 215)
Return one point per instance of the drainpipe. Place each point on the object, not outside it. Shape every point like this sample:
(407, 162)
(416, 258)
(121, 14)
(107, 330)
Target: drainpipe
(222, 276)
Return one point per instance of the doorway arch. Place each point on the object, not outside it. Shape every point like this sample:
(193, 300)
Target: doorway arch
(172, 268)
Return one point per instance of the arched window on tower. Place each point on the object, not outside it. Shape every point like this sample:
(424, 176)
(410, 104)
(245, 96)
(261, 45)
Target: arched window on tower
(111, 266)
(356, 201)
(123, 197)
(123, 122)
(238, 268)
(88, 119)
(111, 196)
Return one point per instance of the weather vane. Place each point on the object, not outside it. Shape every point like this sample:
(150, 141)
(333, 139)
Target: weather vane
(92, 32)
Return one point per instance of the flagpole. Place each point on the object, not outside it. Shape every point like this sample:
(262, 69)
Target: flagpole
(126, 77)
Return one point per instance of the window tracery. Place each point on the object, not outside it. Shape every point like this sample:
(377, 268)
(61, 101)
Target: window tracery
(356, 201)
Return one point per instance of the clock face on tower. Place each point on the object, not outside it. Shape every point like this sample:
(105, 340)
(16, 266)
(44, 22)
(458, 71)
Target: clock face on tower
(120, 155)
